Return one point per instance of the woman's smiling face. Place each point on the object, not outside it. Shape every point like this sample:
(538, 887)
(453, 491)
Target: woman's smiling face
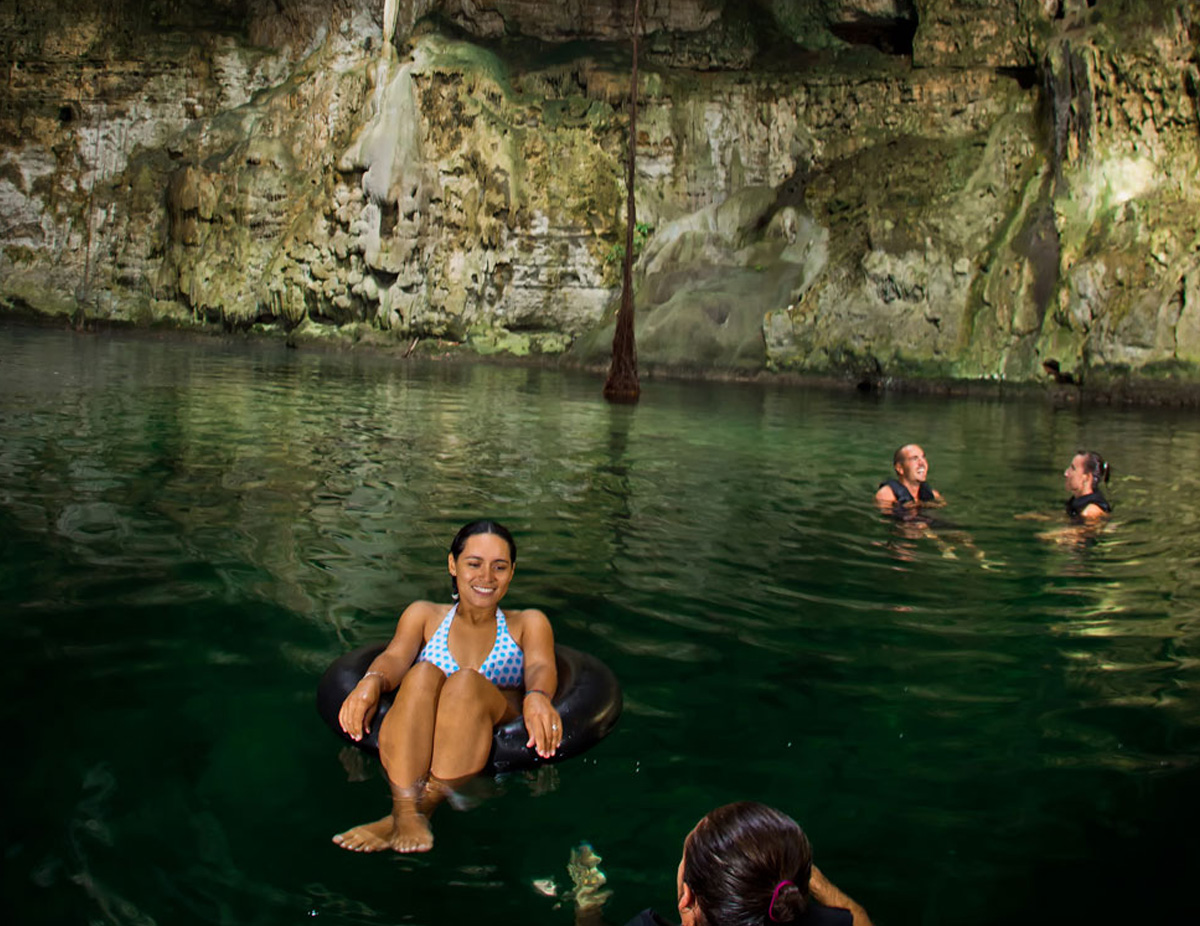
(483, 570)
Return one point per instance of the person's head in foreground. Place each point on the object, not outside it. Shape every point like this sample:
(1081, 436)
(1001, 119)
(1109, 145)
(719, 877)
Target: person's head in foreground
(747, 864)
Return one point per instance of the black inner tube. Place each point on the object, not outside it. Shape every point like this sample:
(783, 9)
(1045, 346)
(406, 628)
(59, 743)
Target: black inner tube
(588, 699)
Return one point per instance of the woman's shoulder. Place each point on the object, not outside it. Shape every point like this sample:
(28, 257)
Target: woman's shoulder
(424, 613)
(420, 606)
(818, 914)
(525, 619)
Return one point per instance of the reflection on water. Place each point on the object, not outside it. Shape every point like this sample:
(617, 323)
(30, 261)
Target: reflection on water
(973, 723)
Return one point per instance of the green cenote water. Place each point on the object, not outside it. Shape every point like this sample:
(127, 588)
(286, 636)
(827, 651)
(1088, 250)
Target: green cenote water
(191, 532)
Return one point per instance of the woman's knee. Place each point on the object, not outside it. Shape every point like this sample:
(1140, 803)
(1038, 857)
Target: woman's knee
(467, 696)
(418, 692)
(423, 678)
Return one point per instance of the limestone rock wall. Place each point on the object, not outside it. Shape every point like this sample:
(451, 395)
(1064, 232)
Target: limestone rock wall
(874, 188)
(598, 19)
(999, 34)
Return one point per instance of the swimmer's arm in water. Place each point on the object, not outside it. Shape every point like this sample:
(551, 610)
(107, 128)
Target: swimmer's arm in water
(541, 682)
(386, 671)
(825, 892)
(1092, 514)
(1073, 534)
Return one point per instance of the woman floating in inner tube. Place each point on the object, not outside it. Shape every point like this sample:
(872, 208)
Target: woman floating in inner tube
(461, 669)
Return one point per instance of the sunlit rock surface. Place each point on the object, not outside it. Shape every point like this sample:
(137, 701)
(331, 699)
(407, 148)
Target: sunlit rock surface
(874, 189)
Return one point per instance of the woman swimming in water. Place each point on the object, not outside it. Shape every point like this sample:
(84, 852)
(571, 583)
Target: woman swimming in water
(1087, 507)
(1083, 477)
(461, 669)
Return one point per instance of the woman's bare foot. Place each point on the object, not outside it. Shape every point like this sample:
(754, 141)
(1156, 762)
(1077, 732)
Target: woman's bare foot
(407, 832)
(411, 832)
(370, 837)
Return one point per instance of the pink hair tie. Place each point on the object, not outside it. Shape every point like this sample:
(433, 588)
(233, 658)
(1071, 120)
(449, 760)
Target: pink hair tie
(774, 897)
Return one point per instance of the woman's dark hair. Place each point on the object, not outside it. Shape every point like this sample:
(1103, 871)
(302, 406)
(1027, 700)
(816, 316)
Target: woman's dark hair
(467, 531)
(1094, 466)
(748, 864)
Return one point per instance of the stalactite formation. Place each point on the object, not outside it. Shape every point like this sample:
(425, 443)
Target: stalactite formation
(622, 384)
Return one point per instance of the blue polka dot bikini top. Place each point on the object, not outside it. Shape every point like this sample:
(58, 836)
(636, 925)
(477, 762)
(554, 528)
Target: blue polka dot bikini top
(504, 667)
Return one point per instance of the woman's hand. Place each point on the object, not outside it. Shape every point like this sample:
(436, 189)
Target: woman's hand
(387, 669)
(360, 705)
(543, 723)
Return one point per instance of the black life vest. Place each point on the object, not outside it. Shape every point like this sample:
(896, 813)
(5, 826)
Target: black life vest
(903, 496)
(1076, 506)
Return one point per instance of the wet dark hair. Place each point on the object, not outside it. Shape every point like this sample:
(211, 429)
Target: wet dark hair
(1094, 466)
(748, 864)
(482, 526)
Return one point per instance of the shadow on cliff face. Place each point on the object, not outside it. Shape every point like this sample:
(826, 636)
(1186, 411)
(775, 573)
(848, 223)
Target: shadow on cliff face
(706, 280)
(1038, 244)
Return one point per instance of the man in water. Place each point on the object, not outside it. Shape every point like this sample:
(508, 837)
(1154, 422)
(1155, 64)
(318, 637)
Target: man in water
(908, 489)
(904, 496)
